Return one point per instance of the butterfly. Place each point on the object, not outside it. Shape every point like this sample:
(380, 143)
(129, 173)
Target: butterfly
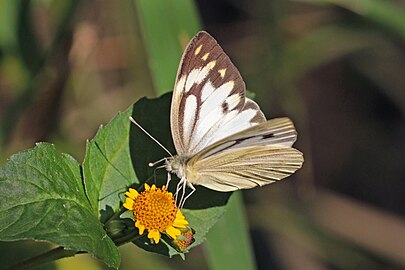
(222, 138)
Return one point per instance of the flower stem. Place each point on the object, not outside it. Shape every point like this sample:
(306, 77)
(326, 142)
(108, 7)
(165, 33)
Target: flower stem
(49, 256)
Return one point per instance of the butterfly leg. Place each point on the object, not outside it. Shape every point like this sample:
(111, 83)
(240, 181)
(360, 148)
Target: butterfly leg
(178, 188)
(169, 178)
(182, 200)
(181, 187)
(191, 192)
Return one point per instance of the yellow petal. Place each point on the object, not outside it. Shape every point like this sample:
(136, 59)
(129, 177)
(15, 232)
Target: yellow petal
(180, 223)
(180, 220)
(155, 235)
(147, 187)
(140, 227)
(173, 232)
(129, 204)
(132, 193)
(153, 187)
(179, 215)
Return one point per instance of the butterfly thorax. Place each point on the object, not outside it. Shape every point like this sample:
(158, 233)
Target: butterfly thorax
(176, 165)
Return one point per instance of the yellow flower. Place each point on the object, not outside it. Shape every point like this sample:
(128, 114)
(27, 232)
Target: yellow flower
(155, 210)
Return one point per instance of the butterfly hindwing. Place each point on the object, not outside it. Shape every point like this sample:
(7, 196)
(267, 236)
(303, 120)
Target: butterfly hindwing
(246, 167)
(253, 157)
(208, 98)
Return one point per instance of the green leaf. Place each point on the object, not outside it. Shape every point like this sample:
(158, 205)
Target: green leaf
(222, 245)
(205, 207)
(107, 168)
(8, 26)
(43, 199)
(166, 36)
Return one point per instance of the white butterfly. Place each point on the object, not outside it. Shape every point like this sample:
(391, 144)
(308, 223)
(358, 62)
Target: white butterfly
(222, 139)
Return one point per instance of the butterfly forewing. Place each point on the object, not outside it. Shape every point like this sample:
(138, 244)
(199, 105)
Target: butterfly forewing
(208, 98)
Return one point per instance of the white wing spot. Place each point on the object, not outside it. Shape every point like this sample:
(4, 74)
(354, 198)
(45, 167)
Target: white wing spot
(214, 103)
(228, 86)
(239, 122)
(203, 73)
(207, 90)
(180, 84)
(198, 50)
(205, 56)
(197, 75)
(232, 101)
(189, 117)
(246, 116)
(191, 78)
(222, 72)
(211, 111)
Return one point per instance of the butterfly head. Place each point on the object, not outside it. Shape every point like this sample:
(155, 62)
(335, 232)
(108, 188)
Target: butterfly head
(176, 165)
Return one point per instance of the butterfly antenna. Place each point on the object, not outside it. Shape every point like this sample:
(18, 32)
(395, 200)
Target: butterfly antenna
(150, 136)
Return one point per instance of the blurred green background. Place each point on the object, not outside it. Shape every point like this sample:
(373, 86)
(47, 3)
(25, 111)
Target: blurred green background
(337, 68)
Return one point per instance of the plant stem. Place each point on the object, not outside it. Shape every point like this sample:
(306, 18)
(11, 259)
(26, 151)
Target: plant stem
(49, 256)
